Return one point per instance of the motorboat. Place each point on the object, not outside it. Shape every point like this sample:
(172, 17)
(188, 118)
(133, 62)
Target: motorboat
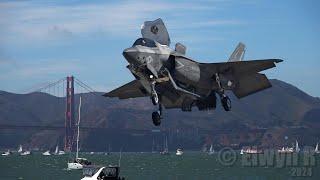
(78, 163)
(47, 153)
(7, 153)
(102, 173)
(179, 152)
(250, 151)
(61, 153)
(286, 150)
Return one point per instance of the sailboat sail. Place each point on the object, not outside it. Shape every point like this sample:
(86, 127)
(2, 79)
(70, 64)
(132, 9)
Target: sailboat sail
(57, 150)
(20, 149)
(317, 148)
(211, 151)
(297, 146)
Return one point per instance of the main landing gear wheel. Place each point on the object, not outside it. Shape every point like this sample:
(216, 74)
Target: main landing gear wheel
(226, 103)
(156, 118)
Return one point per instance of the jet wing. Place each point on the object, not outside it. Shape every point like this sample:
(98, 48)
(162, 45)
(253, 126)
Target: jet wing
(132, 89)
(239, 67)
(245, 73)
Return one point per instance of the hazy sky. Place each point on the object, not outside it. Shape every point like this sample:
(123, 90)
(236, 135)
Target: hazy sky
(43, 41)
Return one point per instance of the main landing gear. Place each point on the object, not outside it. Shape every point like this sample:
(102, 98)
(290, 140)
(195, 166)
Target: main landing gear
(225, 100)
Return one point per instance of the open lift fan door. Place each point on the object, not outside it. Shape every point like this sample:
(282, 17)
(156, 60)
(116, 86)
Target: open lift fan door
(156, 30)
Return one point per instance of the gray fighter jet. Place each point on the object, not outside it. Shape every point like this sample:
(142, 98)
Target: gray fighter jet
(173, 80)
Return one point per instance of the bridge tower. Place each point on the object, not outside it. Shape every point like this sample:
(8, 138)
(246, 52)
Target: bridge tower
(70, 123)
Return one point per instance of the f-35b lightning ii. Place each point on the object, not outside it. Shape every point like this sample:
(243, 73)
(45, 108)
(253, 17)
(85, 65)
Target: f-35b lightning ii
(173, 80)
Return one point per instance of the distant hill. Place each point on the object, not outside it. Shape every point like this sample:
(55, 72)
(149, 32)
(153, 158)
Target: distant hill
(282, 110)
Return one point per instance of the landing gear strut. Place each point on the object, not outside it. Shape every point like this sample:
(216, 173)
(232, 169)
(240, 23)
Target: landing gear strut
(225, 100)
(157, 116)
(154, 94)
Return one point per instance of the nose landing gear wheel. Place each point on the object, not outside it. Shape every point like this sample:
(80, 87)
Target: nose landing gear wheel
(156, 118)
(226, 103)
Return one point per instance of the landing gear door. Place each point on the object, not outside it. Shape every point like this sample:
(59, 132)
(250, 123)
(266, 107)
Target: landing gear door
(156, 30)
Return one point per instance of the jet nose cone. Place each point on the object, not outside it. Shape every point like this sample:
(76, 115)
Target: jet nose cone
(130, 54)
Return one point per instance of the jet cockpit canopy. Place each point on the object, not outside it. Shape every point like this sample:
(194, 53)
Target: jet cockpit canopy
(145, 42)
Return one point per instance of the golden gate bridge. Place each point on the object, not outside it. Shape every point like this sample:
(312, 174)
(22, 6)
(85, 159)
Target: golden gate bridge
(65, 89)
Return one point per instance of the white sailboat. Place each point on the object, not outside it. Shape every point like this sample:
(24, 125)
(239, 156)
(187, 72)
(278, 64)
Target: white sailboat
(153, 150)
(165, 148)
(78, 163)
(211, 150)
(46, 153)
(58, 152)
(25, 153)
(20, 149)
(297, 147)
(316, 150)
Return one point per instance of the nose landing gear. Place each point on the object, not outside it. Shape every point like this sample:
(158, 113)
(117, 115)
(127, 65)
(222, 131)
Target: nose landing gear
(154, 94)
(156, 115)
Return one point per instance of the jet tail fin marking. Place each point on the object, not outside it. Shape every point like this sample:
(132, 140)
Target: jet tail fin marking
(238, 53)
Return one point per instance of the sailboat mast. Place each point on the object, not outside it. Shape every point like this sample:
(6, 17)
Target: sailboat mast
(167, 149)
(78, 134)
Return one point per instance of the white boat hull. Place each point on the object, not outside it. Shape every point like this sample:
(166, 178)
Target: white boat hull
(179, 153)
(25, 153)
(74, 166)
(61, 153)
(5, 154)
(47, 153)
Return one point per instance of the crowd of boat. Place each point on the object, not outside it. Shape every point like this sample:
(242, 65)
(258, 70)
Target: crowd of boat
(22, 152)
(294, 149)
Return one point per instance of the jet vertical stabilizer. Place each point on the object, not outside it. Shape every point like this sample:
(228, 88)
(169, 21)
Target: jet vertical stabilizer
(238, 53)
